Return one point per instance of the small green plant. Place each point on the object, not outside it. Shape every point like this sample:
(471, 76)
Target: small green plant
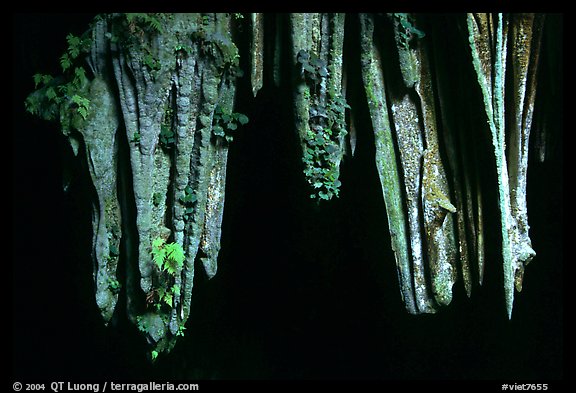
(141, 323)
(313, 67)
(326, 127)
(218, 46)
(150, 61)
(225, 123)
(168, 257)
(181, 329)
(114, 285)
(167, 136)
(407, 31)
(76, 46)
(183, 49)
(205, 20)
(140, 26)
(136, 138)
(188, 200)
(318, 157)
(157, 198)
(145, 20)
(81, 104)
(63, 97)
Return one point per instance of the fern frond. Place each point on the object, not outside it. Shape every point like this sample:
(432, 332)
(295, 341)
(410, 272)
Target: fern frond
(41, 78)
(65, 61)
(130, 16)
(171, 267)
(154, 23)
(80, 78)
(157, 243)
(168, 299)
(149, 20)
(158, 254)
(74, 45)
(175, 252)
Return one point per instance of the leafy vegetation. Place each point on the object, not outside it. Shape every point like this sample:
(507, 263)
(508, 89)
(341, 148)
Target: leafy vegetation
(219, 47)
(145, 20)
(167, 136)
(405, 34)
(63, 98)
(226, 122)
(168, 257)
(114, 285)
(408, 31)
(327, 126)
(188, 200)
(136, 138)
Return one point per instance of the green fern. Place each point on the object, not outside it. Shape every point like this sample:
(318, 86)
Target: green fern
(175, 258)
(42, 79)
(158, 252)
(168, 257)
(83, 105)
(148, 19)
(65, 94)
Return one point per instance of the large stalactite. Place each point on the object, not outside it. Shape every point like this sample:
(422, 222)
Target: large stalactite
(175, 81)
(162, 88)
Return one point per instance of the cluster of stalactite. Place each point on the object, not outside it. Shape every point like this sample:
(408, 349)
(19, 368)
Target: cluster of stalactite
(158, 88)
(427, 166)
(492, 39)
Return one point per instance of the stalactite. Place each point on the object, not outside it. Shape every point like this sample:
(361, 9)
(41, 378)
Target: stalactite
(438, 223)
(483, 31)
(168, 83)
(461, 202)
(465, 166)
(525, 48)
(99, 135)
(257, 52)
(490, 64)
(386, 161)
(411, 147)
(277, 49)
(176, 82)
(319, 105)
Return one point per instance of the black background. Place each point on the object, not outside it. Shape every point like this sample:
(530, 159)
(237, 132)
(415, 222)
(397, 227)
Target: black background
(302, 292)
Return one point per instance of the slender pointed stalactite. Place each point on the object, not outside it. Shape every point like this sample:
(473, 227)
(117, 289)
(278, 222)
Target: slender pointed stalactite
(526, 31)
(99, 135)
(490, 65)
(453, 142)
(411, 147)
(257, 52)
(436, 200)
(386, 161)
